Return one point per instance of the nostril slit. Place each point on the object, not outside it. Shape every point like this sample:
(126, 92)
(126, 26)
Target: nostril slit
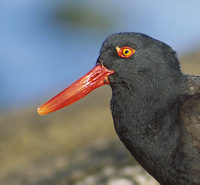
(95, 75)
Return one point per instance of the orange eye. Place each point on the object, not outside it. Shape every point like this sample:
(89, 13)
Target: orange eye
(125, 52)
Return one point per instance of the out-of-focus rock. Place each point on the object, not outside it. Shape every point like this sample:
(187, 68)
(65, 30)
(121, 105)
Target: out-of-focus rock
(101, 163)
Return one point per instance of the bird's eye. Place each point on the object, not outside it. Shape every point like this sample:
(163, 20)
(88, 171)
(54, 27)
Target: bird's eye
(125, 52)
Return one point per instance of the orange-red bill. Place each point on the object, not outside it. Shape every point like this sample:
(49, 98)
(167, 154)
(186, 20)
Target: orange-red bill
(97, 77)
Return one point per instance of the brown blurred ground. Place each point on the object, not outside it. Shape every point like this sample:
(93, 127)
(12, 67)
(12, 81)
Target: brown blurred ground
(57, 148)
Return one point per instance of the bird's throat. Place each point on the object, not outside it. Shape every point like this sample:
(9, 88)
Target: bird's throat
(145, 134)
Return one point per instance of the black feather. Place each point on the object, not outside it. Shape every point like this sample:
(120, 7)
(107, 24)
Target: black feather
(155, 108)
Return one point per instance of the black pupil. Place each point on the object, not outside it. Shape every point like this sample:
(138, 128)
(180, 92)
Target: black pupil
(126, 51)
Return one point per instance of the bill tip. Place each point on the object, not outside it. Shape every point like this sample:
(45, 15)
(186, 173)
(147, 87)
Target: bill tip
(40, 112)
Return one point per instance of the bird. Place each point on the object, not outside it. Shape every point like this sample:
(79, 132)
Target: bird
(155, 107)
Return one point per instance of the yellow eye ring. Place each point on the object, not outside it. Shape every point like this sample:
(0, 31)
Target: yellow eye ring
(125, 52)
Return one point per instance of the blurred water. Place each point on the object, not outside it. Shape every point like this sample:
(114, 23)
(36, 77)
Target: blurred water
(39, 56)
(36, 54)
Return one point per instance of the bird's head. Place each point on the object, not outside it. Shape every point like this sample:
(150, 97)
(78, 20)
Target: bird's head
(133, 56)
(125, 59)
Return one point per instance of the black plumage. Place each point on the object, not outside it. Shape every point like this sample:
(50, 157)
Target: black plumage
(155, 108)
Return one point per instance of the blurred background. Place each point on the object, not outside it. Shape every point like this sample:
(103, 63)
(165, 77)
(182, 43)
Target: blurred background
(45, 45)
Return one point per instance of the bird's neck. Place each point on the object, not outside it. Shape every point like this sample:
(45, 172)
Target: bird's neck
(147, 124)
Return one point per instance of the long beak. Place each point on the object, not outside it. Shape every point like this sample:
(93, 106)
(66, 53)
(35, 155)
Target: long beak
(97, 77)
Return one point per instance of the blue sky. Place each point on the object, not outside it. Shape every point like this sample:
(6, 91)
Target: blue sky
(39, 57)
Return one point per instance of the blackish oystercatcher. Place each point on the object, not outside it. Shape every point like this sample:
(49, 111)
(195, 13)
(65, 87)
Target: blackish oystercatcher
(155, 108)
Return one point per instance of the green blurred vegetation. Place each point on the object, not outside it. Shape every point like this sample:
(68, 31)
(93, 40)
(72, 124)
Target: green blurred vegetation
(80, 14)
